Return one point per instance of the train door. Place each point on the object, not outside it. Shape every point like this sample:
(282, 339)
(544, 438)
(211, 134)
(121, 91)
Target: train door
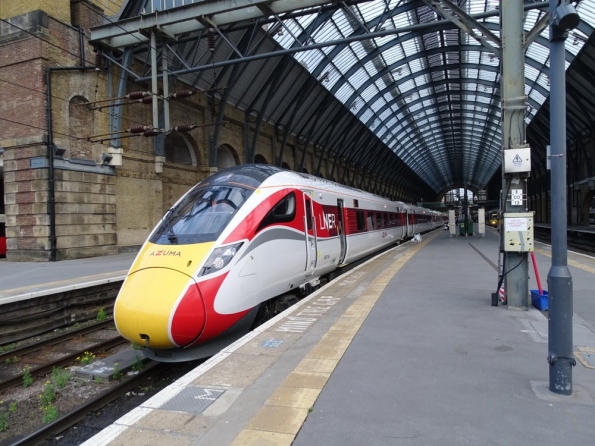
(342, 234)
(400, 221)
(407, 231)
(310, 234)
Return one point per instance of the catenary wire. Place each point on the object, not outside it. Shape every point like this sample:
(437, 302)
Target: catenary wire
(66, 100)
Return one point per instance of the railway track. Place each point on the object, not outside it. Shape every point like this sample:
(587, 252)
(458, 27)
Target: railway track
(123, 390)
(580, 240)
(67, 356)
(79, 413)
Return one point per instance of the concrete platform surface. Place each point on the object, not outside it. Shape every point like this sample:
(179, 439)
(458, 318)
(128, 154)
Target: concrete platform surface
(404, 350)
(22, 278)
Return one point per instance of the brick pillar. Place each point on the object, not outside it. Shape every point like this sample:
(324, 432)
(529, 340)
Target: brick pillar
(25, 189)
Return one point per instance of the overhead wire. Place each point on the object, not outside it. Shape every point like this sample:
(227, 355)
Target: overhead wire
(231, 128)
(41, 128)
(63, 99)
(128, 149)
(41, 92)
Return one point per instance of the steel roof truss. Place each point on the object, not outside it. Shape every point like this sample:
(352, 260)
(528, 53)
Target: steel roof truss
(466, 22)
(183, 20)
(537, 29)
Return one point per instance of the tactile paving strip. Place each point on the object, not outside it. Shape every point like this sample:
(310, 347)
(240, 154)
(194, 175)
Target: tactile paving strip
(193, 399)
(589, 357)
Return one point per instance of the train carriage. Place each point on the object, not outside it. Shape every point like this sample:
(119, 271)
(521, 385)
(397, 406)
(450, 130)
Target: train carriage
(238, 240)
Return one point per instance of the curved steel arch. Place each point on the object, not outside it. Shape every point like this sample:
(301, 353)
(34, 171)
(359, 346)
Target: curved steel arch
(448, 139)
(439, 113)
(413, 77)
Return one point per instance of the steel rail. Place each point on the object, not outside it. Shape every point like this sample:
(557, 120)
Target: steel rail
(55, 340)
(45, 369)
(74, 416)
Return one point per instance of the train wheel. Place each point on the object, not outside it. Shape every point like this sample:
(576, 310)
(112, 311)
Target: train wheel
(285, 301)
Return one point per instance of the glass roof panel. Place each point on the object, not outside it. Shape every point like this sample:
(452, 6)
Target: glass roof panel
(448, 104)
(359, 77)
(380, 102)
(305, 20)
(345, 60)
(539, 53)
(328, 31)
(310, 59)
(344, 93)
(368, 113)
(370, 10)
(379, 41)
(394, 54)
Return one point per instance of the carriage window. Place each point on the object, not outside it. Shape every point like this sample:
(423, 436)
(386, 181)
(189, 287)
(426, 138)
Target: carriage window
(283, 211)
(371, 224)
(386, 220)
(379, 220)
(361, 221)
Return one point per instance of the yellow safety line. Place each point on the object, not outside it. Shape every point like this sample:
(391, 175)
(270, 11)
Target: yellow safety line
(571, 262)
(279, 420)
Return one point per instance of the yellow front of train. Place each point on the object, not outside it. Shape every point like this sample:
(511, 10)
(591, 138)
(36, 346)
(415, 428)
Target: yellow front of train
(168, 295)
(160, 305)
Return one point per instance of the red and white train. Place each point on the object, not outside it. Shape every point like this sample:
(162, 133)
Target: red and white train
(238, 240)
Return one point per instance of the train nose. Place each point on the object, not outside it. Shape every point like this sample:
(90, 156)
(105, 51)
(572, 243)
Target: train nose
(160, 307)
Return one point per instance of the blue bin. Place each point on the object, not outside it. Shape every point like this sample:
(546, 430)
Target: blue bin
(539, 301)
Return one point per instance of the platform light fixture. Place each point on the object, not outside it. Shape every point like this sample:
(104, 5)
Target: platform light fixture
(59, 152)
(105, 159)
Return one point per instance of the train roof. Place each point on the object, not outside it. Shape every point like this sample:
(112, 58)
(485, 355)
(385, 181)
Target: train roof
(254, 175)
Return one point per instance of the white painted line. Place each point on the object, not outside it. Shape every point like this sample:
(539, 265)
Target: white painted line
(106, 436)
(62, 289)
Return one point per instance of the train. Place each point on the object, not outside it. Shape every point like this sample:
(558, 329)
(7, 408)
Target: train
(241, 246)
(493, 218)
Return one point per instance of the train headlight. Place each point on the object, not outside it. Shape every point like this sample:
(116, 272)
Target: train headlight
(220, 258)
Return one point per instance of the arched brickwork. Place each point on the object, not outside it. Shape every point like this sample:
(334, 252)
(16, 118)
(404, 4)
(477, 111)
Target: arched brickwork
(81, 125)
(227, 157)
(180, 149)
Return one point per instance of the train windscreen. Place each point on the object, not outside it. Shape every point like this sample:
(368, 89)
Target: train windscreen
(201, 216)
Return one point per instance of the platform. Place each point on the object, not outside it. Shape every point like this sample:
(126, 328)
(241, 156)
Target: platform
(404, 350)
(23, 280)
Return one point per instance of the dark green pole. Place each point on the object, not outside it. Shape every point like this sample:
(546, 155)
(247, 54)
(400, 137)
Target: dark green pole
(560, 355)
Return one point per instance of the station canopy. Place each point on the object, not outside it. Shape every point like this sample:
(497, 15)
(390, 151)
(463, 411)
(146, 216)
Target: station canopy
(408, 90)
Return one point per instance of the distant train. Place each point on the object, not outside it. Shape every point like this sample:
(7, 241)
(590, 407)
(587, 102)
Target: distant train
(493, 218)
(241, 246)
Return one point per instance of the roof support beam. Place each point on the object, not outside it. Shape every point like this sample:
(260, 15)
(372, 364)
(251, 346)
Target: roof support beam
(467, 23)
(182, 20)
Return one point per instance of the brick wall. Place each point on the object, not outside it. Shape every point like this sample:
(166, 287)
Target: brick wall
(85, 214)
(85, 202)
(26, 217)
(95, 214)
(86, 14)
(59, 9)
